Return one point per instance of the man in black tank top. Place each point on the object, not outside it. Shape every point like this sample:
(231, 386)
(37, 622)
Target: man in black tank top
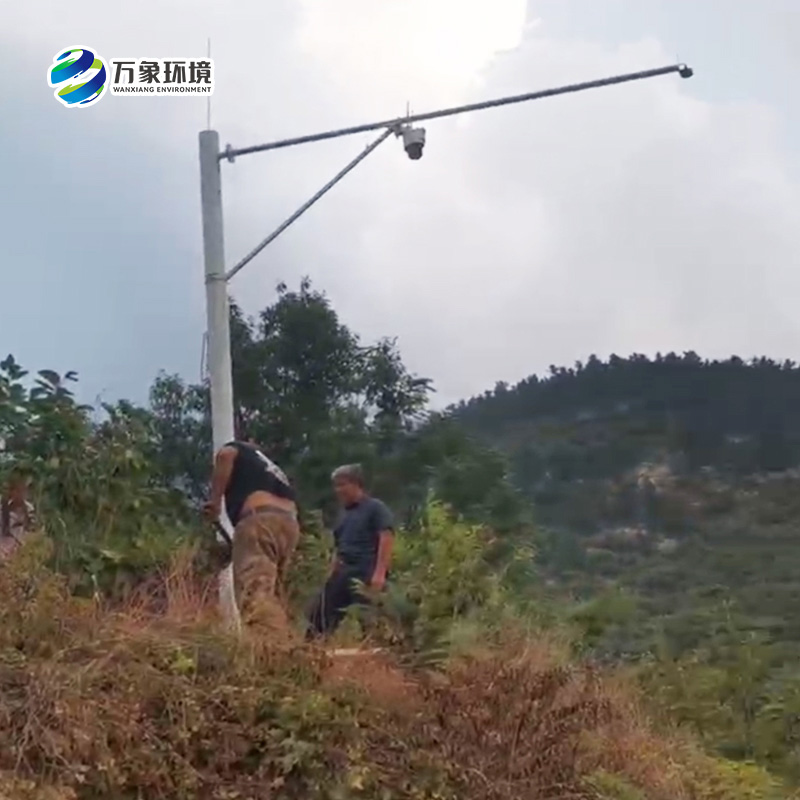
(261, 504)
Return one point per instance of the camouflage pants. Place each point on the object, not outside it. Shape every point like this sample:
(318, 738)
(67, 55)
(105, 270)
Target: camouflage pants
(263, 545)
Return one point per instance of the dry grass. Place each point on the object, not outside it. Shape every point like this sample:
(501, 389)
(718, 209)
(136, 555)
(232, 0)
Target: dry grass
(153, 701)
(627, 745)
(375, 674)
(517, 730)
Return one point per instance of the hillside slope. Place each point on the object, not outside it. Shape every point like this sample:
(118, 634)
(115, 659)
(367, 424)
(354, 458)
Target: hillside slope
(666, 497)
(599, 418)
(673, 476)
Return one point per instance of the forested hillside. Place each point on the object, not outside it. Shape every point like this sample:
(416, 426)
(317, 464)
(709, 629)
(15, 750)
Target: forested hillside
(602, 418)
(655, 454)
(666, 491)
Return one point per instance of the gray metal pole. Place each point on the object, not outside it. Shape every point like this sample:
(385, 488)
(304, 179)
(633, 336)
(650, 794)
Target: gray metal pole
(303, 208)
(682, 69)
(219, 359)
(218, 321)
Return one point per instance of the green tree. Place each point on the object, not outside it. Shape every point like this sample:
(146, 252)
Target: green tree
(305, 388)
(95, 483)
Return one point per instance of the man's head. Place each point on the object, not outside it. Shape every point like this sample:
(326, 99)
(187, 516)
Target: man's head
(244, 434)
(348, 483)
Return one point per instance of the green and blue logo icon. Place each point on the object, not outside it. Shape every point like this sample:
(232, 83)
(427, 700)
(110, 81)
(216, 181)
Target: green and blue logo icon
(78, 76)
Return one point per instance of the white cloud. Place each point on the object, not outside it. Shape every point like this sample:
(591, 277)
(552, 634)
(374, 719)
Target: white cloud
(635, 217)
(384, 51)
(628, 218)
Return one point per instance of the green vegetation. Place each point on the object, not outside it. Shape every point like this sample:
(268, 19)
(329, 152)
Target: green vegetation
(546, 660)
(666, 497)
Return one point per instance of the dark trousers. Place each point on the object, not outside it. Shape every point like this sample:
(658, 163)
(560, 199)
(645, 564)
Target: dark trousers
(337, 595)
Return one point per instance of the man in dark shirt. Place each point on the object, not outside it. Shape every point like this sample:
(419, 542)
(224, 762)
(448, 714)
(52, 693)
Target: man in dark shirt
(363, 547)
(261, 504)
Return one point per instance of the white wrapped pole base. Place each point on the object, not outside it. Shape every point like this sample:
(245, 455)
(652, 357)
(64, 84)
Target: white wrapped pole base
(227, 601)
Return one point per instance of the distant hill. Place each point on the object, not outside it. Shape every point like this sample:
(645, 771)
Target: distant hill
(598, 419)
(673, 477)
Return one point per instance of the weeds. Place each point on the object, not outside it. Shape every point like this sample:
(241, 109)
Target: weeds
(151, 700)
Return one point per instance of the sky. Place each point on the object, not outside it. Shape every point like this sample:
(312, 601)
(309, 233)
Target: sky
(656, 216)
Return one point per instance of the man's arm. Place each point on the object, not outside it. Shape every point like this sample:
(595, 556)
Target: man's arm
(221, 475)
(385, 527)
(332, 567)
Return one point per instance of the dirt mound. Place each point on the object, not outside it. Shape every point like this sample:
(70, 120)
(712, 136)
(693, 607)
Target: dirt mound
(373, 672)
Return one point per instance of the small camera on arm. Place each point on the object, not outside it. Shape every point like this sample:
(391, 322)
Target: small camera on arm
(413, 141)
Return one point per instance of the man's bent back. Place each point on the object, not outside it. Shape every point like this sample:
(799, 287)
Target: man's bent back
(260, 502)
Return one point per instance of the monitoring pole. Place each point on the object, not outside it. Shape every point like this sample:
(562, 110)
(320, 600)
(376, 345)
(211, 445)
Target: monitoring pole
(216, 278)
(219, 336)
(219, 330)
